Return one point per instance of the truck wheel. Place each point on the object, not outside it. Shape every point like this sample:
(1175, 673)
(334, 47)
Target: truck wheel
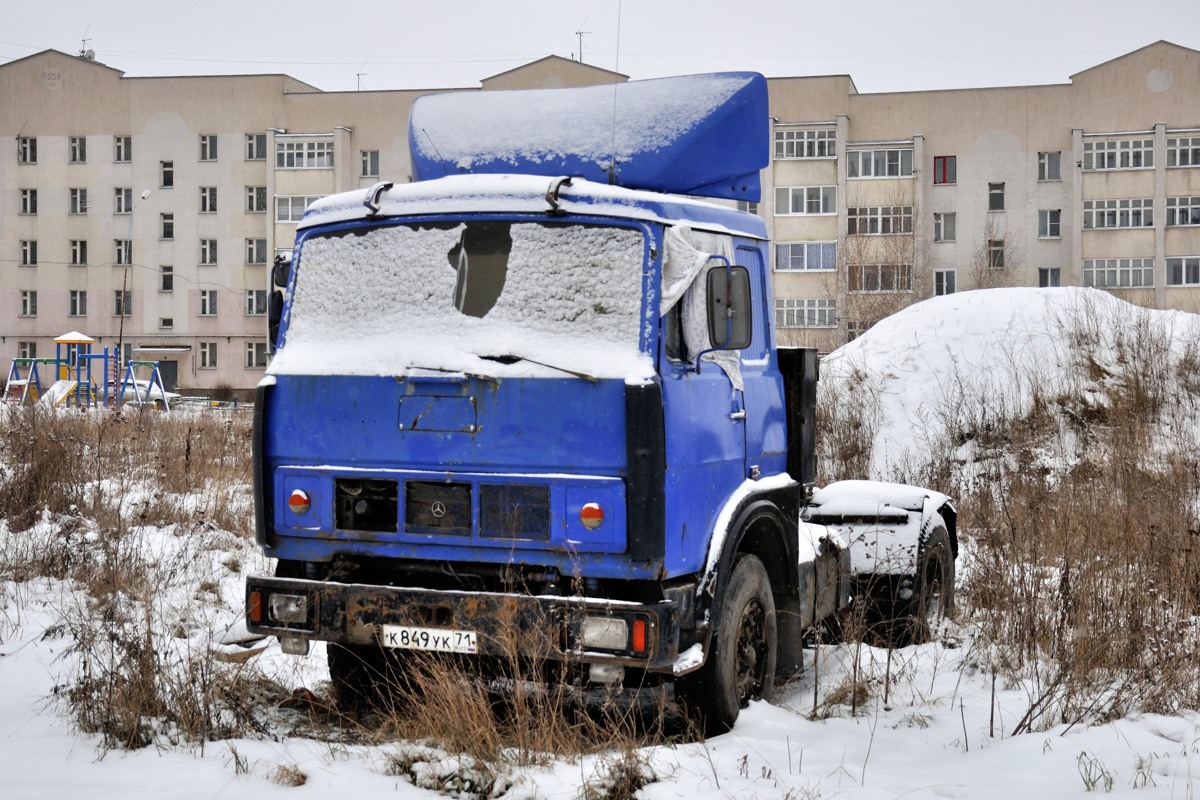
(934, 597)
(361, 676)
(741, 661)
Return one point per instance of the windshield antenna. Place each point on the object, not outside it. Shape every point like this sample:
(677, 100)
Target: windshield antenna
(439, 153)
(612, 165)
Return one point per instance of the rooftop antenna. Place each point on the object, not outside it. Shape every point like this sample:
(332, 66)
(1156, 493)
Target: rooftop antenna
(84, 50)
(359, 76)
(580, 33)
(612, 165)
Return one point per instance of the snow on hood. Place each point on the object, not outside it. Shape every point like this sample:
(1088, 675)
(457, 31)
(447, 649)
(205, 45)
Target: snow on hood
(874, 498)
(930, 368)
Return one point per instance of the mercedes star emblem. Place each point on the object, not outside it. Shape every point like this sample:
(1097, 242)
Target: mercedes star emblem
(438, 508)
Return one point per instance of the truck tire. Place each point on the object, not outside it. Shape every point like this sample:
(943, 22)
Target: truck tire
(933, 599)
(741, 660)
(361, 677)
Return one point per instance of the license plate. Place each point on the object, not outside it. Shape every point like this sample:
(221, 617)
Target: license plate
(437, 640)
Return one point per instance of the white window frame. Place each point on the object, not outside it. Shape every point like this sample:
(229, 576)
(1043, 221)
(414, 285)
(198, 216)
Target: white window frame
(788, 198)
(208, 252)
(77, 303)
(208, 355)
(29, 302)
(166, 174)
(77, 150)
(805, 256)
(1050, 166)
(805, 313)
(166, 323)
(1183, 271)
(208, 303)
(1183, 211)
(208, 199)
(166, 226)
(882, 162)
(256, 302)
(798, 143)
(1101, 155)
(1119, 273)
(370, 163)
(29, 202)
(122, 149)
(124, 309)
(945, 281)
(26, 149)
(208, 147)
(995, 253)
(256, 251)
(122, 252)
(256, 355)
(256, 199)
(26, 349)
(879, 220)
(1049, 277)
(1118, 213)
(79, 201)
(123, 200)
(995, 197)
(166, 278)
(79, 252)
(305, 154)
(1183, 151)
(291, 208)
(1050, 223)
(29, 254)
(879, 278)
(256, 147)
(945, 226)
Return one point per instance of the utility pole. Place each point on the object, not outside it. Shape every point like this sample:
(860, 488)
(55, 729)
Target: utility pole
(580, 33)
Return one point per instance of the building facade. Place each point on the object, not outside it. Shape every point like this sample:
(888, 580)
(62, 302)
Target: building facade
(146, 212)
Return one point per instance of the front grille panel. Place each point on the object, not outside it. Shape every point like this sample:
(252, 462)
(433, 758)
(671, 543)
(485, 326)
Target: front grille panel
(514, 511)
(443, 508)
(366, 505)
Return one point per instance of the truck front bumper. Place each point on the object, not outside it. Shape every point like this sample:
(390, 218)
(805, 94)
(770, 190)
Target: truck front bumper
(568, 629)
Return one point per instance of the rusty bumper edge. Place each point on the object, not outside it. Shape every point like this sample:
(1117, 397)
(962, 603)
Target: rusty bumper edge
(507, 624)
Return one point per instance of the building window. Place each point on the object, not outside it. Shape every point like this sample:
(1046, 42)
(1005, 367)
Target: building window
(1183, 271)
(26, 349)
(1183, 152)
(879, 278)
(122, 303)
(995, 197)
(805, 200)
(945, 225)
(256, 302)
(814, 143)
(1134, 213)
(795, 256)
(79, 202)
(1049, 166)
(1114, 273)
(28, 252)
(208, 302)
(879, 220)
(122, 148)
(208, 252)
(78, 304)
(122, 200)
(256, 146)
(28, 303)
(291, 209)
(77, 150)
(256, 199)
(1049, 223)
(256, 251)
(256, 355)
(995, 253)
(370, 163)
(122, 252)
(166, 322)
(167, 226)
(28, 201)
(1049, 277)
(78, 252)
(166, 177)
(303, 155)
(1118, 154)
(809, 313)
(26, 149)
(893, 163)
(749, 206)
(208, 147)
(944, 281)
(208, 355)
(208, 199)
(1183, 210)
(166, 279)
(945, 169)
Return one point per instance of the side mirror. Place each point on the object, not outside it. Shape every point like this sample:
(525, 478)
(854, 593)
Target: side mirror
(274, 317)
(281, 271)
(729, 313)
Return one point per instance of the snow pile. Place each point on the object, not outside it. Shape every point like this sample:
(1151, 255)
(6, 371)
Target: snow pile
(941, 371)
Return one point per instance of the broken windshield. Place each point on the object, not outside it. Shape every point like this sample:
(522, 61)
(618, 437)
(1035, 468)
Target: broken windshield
(485, 297)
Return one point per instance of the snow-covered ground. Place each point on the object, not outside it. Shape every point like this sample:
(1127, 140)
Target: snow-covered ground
(934, 723)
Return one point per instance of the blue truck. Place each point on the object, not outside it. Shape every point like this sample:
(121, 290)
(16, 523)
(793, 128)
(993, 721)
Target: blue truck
(533, 396)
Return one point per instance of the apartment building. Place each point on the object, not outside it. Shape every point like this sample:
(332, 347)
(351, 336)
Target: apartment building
(145, 212)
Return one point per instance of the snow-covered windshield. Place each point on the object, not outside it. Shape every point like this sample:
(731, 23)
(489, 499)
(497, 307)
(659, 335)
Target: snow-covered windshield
(493, 298)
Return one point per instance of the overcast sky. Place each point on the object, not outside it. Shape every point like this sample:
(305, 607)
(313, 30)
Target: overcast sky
(414, 44)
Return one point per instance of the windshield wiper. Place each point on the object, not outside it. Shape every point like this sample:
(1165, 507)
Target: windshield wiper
(512, 359)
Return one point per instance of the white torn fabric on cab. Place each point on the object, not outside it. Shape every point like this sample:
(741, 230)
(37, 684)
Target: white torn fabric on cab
(688, 258)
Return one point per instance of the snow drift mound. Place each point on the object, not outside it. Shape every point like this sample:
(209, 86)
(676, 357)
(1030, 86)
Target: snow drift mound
(934, 376)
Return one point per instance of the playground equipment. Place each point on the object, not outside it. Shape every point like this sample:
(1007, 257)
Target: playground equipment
(74, 369)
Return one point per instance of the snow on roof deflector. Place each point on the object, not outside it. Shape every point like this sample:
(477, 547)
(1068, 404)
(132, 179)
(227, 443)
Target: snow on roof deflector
(706, 135)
